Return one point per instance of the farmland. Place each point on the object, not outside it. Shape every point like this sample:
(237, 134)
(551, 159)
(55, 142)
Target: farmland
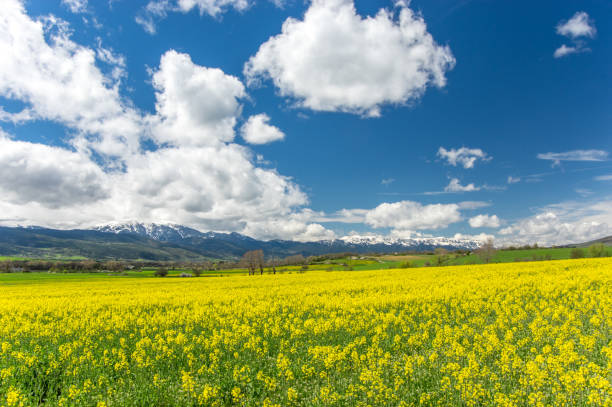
(534, 333)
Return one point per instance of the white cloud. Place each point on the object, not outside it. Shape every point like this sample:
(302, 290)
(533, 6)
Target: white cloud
(564, 223)
(473, 204)
(580, 25)
(342, 216)
(455, 186)
(296, 226)
(387, 181)
(76, 6)
(564, 50)
(256, 130)
(481, 237)
(463, 156)
(59, 81)
(604, 177)
(574, 155)
(513, 180)
(50, 176)
(159, 9)
(195, 105)
(484, 221)
(335, 60)
(583, 192)
(195, 175)
(409, 215)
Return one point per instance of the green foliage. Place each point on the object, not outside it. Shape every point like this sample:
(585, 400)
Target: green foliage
(161, 272)
(577, 253)
(597, 250)
(405, 265)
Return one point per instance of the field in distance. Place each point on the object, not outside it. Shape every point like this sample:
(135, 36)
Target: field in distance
(513, 334)
(20, 268)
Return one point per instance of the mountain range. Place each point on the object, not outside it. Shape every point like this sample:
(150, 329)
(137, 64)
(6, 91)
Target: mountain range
(152, 241)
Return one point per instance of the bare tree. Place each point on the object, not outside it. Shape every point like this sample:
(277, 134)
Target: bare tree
(487, 251)
(253, 260)
(259, 258)
(273, 263)
(294, 260)
(441, 255)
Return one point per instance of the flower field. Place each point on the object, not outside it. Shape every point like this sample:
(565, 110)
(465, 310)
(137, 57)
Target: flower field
(522, 334)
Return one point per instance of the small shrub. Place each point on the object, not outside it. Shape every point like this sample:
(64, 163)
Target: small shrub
(597, 250)
(576, 253)
(161, 272)
(405, 265)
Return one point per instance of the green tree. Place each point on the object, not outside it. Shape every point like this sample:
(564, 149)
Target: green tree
(597, 250)
(577, 253)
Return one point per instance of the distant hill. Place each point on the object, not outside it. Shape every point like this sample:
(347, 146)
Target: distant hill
(50, 243)
(216, 244)
(605, 240)
(152, 241)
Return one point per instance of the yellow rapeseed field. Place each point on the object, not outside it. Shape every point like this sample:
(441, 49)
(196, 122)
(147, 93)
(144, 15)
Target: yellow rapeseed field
(522, 334)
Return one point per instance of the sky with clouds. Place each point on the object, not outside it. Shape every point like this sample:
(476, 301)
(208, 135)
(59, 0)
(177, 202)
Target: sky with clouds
(310, 120)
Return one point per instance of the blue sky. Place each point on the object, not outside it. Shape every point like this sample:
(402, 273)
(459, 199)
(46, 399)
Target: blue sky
(310, 120)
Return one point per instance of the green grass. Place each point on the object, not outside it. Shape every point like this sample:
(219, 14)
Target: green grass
(12, 258)
(341, 264)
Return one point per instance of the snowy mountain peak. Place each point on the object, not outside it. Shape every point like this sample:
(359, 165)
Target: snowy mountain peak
(159, 231)
(412, 242)
(173, 233)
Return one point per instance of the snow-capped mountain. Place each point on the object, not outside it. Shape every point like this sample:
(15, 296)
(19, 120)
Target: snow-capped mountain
(168, 232)
(163, 232)
(234, 244)
(369, 240)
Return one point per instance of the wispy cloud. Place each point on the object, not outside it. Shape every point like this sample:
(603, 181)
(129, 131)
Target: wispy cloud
(387, 181)
(580, 25)
(513, 180)
(604, 177)
(455, 186)
(465, 157)
(576, 28)
(574, 155)
(583, 192)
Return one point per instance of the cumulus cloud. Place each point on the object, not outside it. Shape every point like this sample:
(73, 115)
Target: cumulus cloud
(195, 105)
(455, 186)
(484, 221)
(576, 28)
(256, 130)
(297, 226)
(574, 155)
(466, 157)
(580, 25)
(194, 175)
(335, 60)
(50, 176)
(564, 223)
(159, 9)
(58, 80)
(410, 215)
